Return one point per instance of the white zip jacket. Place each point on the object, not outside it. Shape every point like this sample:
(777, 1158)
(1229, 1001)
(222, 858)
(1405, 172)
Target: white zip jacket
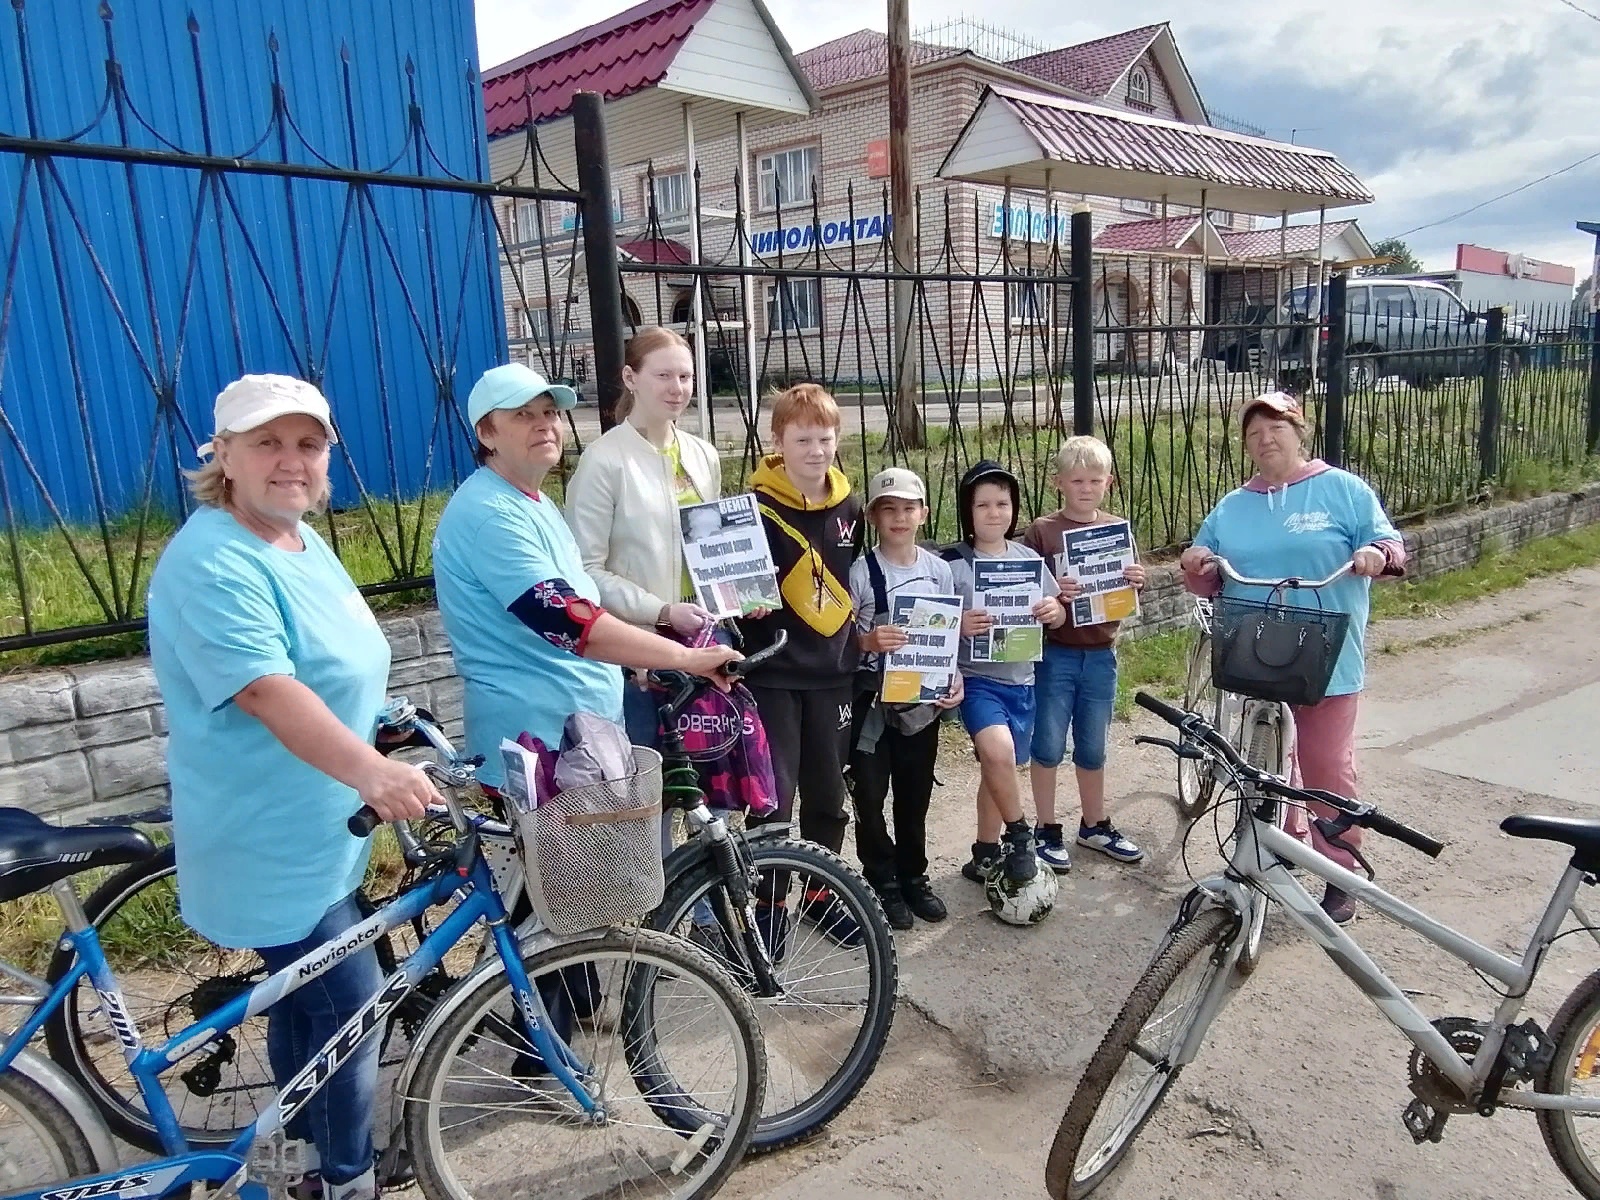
(622, 509)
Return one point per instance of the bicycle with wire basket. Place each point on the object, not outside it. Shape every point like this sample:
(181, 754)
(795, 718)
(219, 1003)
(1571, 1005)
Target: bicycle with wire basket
(1252, 708)
(503, 1090)
(1458, 1064)
(825, 1009)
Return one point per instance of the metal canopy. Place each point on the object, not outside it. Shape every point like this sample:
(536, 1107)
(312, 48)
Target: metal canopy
(1032, 140)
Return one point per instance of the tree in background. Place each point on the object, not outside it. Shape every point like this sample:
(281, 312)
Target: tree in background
(1405, 262)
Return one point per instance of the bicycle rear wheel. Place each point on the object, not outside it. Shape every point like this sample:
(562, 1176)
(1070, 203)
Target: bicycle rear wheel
(1197, 781)
(170, 977)
(1573, 1139)
(673, 1056)
(826, 1029)
(1131, 1071)
(40, 1143)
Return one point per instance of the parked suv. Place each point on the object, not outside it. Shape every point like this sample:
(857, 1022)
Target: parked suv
(1418, 331)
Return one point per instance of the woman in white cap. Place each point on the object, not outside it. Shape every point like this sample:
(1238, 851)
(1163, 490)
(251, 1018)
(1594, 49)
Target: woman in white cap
(623, 500)
(527, 627)
(273, 672)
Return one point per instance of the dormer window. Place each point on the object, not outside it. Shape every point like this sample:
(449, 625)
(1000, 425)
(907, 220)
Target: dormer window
(1139, 87)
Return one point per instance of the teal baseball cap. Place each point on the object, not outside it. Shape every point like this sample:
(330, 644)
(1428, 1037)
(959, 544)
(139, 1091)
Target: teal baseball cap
(512, 386)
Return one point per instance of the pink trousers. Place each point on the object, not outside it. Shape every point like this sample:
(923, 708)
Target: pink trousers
(1325, 757)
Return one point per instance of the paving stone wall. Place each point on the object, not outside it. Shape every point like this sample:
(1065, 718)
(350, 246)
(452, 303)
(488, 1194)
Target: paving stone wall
(89, 742)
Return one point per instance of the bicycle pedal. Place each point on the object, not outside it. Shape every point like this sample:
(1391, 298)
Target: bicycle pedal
(1424, 1124)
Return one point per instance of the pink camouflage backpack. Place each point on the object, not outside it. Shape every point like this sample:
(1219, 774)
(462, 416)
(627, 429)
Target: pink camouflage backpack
(724, 738)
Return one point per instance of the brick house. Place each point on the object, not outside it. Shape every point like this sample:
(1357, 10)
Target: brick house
(808, 188)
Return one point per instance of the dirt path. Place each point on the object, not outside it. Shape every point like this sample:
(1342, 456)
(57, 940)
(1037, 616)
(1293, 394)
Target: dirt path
(1299, 1088)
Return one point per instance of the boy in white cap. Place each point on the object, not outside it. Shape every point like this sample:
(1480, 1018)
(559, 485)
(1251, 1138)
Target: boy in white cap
(895, 747)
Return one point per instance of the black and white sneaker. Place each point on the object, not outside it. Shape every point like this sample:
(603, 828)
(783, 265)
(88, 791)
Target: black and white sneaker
(1105, 838)
(1021, 852)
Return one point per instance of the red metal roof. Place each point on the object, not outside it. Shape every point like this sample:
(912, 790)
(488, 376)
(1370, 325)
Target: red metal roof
(1089, 67)
(616, 57)
(1265, 243)
(656, 250)
(863, 54)
(1148, 235)
(1108, 152)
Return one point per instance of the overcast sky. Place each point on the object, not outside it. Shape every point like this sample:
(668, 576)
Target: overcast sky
(1437, 104)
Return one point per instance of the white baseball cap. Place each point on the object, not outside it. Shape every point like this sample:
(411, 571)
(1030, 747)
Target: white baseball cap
(252, 400)
(898, 482)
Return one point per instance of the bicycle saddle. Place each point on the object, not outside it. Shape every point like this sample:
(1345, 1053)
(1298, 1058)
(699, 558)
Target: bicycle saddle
(34, 854)
(1582, 835)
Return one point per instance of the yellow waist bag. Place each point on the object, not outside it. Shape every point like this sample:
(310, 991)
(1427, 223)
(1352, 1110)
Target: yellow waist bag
(808, 589)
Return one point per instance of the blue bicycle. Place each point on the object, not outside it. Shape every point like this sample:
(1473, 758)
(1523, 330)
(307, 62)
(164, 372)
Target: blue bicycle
(619, 1061)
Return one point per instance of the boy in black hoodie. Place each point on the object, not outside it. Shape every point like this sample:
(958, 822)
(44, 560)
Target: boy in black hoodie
(814, 528)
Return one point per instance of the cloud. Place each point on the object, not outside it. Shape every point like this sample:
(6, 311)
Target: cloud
(1438, 104)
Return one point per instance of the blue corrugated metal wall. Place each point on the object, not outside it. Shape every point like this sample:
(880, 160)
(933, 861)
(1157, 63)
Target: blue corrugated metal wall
(255, 274)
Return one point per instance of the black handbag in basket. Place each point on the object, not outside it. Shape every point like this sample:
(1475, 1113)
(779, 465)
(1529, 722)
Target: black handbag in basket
(1273, 651)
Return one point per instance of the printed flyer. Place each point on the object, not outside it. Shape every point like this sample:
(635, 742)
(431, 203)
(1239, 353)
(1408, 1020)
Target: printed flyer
(730, 564)
(924, 668)
(1096, 558)
(1007, 589)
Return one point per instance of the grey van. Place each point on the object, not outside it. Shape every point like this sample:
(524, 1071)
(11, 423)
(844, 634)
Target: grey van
(1418, 331)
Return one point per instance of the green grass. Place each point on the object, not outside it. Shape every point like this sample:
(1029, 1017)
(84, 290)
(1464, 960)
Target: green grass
(1496, 571)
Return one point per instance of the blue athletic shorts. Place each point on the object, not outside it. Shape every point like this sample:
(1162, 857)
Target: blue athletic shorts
(989, 702)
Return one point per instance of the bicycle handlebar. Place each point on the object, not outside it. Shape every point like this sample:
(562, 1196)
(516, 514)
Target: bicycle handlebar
(685, 687)
(1196, 728)
(364, 820)
(1293, 581)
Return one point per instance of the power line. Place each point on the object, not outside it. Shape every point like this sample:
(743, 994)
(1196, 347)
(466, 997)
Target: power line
(1503, 195)
(1579, 9)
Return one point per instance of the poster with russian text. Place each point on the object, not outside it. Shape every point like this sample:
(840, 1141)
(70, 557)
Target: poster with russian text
(924, 668)
(1007, 589)
(730, 564)
(1096, 557)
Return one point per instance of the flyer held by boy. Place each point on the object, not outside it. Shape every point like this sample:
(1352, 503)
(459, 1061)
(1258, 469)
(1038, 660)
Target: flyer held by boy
(923, 670)
(1007, 589)
(1097, 559)
(730, 563)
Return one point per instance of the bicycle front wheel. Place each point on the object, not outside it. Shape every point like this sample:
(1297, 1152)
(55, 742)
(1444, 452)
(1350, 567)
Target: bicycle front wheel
(669, 1049)
(826, 1028)
(40, 1142)
(1573, 1139)
(1131, 1071)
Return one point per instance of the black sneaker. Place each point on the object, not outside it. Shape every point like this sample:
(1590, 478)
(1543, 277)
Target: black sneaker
(983, 856)
(822, 908)
(920, 899)
(895, 907)
(1021, 852)
(1340, 906)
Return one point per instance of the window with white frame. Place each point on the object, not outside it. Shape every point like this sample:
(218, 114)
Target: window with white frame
(785, 176)
(1129, 204)
(1139, 86)
(671, 194)
(536, 324)
(800, 308)
(1030, 301)
(1222, 218)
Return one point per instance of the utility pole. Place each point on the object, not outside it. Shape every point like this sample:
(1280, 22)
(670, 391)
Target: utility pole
(1591, 439)
(907, 413)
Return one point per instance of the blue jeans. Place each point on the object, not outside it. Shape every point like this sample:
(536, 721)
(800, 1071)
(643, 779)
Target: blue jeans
(1075, 690)
(338, 1119)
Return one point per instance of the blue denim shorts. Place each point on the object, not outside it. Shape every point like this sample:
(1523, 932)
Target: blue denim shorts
(1073, 690)
(989, 702)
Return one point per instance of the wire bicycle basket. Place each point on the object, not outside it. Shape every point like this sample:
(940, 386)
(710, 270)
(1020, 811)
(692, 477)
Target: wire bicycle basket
(1273, 651)
(591, 855)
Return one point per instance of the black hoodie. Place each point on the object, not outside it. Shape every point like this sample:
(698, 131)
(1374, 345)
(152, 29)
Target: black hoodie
(817, 565)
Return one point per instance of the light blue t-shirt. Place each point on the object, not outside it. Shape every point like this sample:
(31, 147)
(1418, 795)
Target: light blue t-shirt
(260, 835)
(1308, 529)
(493, 545)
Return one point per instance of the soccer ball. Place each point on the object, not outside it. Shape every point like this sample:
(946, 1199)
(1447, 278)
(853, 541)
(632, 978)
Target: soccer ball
(1021, 903)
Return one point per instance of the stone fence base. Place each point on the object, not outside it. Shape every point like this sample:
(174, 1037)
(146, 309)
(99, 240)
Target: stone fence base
(90, 742)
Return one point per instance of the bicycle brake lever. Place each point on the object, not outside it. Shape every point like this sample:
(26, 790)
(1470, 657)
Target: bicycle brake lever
(1182, 750)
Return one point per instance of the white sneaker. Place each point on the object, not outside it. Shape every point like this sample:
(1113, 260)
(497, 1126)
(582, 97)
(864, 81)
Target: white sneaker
(1105, 838)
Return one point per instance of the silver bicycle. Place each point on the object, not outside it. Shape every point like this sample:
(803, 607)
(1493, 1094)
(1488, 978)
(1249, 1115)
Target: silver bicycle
(1261, 730)
(1458, 1064)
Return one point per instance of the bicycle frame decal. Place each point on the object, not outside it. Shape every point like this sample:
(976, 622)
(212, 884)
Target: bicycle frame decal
(146, 1180)
(309, 1082)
